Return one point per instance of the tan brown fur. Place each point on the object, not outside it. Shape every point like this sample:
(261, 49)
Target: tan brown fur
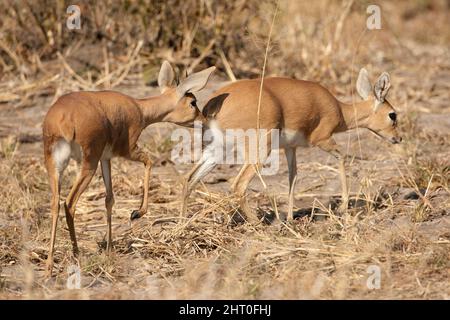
(293, 104)
(94, 127)
(297, 106)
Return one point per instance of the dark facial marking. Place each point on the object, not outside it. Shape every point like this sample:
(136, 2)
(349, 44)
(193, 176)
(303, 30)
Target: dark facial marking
(193, 103)
(393, 116)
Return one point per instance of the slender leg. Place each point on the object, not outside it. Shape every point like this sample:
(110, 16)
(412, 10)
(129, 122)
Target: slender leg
(244, 167)
(330, 146)
(234, 189)
(187, 189)
(240, 187)
(138, 155)
(292, 167)
(88, 168)
(201, 169)
(109, 200)
(55, 187)
(244, 178)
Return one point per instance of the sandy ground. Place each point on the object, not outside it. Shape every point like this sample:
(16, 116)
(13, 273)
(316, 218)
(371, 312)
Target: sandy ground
(378, 175)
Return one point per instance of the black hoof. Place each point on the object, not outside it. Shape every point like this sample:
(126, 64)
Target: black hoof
(135, 215)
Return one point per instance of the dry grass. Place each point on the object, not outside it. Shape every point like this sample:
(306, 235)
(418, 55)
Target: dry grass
(207, 256)
(399, 219)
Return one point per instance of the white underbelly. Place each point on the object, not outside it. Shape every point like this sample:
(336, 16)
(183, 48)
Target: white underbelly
(292, 139)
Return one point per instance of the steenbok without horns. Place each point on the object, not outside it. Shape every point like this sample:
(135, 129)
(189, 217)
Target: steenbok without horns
(93, 127)
(305, 113)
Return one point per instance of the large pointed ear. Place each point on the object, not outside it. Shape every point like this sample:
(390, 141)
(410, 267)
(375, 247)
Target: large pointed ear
(382, 86)
(195, 82)
(166, 75)
(363, 85)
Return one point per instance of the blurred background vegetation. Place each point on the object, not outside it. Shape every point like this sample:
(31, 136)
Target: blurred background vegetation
(310, 40)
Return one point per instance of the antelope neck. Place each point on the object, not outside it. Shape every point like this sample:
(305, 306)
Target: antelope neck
(356, 114)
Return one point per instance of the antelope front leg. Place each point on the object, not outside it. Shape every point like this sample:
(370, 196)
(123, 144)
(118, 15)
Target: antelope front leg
(109, 200)
(331, 147)
(138, 155)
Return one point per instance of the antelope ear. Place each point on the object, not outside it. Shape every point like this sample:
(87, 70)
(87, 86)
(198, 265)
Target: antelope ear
(195, 82)
(166, 75)
(382, 86)
(363, 85)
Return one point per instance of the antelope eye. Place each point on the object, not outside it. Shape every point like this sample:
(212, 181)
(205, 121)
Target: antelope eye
(193, 104)
(393, 116)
